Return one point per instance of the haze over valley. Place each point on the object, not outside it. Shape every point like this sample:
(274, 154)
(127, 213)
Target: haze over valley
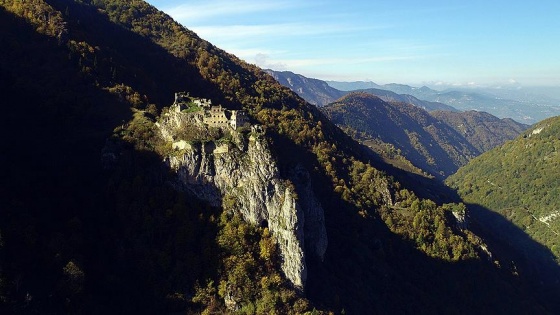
(495, 57)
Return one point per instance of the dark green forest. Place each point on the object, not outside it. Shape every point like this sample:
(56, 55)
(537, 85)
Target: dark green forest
(519, 181)
(90, 224)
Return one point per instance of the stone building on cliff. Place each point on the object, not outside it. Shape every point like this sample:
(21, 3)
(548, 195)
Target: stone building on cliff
(210, 115)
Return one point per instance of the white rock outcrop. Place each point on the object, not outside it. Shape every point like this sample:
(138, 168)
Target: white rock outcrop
(248, 174)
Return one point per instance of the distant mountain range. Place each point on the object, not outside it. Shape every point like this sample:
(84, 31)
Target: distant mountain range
(390, 96)
(353, 85)
(314, 91)
(320, 93)
(399, 127)
(525, 107)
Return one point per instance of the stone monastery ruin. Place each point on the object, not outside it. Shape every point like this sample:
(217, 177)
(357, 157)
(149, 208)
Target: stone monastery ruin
(208, 114)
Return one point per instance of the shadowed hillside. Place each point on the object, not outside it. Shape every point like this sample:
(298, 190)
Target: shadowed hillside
(518, 181)
(425, 141)
(92, 221)
(481, 129)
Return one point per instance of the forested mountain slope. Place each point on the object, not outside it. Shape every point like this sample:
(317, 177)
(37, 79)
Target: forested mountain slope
(96, 219)
(482, 130)
(427, 142)
(519, 181)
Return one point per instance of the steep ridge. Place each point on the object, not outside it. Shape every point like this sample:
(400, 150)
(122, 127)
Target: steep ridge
(314, 91)
(258, 192)
(241, 170)
(518, 182)
(427, 142)
(94, 220)
(482, 130)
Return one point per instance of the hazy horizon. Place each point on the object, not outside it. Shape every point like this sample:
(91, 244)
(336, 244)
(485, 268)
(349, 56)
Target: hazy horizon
(409, 42)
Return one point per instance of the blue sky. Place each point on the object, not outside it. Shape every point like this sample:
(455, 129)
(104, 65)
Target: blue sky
(412, 42)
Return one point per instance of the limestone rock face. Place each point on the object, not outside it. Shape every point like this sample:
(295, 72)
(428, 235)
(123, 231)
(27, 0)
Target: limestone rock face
(461, 219)
(314, 229)
(247, 175)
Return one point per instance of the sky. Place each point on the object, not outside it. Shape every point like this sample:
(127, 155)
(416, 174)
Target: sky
(473, 42)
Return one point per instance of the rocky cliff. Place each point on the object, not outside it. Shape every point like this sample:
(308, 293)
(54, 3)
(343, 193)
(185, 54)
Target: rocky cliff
(241, 175)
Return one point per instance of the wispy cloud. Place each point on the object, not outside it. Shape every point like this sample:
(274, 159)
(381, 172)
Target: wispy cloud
(234, 32)
(342, 68)
(306, 62)
(199, 11)
(286, 59)
(262, 60)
